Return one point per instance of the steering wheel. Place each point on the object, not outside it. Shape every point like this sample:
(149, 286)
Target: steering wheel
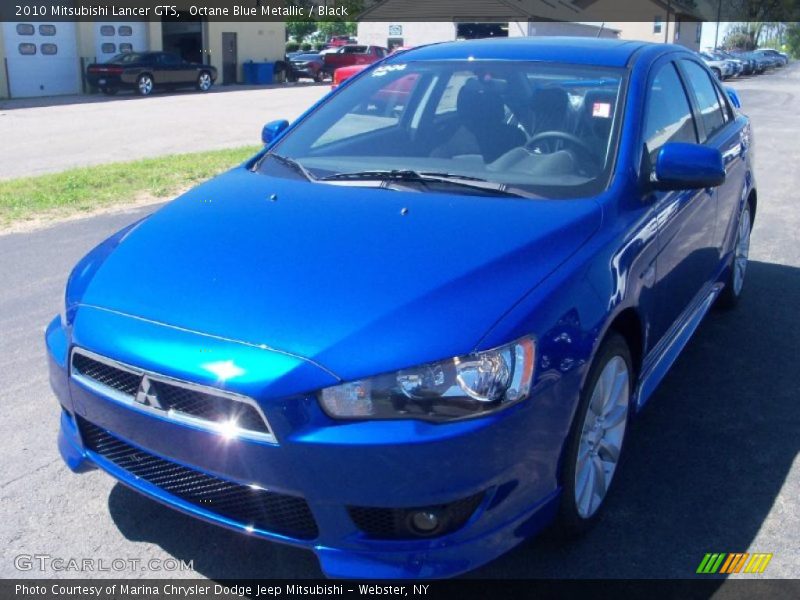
(573, 140)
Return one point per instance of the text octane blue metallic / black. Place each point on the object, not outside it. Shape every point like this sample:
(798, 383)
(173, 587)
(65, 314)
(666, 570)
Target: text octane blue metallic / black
(414, 329)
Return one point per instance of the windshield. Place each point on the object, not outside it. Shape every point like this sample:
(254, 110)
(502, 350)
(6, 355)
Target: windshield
(127, 57)
(548, 129)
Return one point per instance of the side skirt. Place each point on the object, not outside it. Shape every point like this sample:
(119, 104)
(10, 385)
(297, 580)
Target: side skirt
(659, 361)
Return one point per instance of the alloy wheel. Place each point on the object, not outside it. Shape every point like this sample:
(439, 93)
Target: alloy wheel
(145, 85)
(741, 251)
(204, 82)
(601, 436)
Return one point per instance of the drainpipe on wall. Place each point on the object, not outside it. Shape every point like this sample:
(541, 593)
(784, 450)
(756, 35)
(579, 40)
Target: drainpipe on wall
(8, 80)
(666, 26)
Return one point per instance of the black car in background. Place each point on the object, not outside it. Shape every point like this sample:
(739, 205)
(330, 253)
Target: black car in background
(144, 71)
(307, 65)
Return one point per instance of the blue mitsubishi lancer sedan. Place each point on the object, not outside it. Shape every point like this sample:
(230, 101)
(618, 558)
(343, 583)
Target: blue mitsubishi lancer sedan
(417, 327)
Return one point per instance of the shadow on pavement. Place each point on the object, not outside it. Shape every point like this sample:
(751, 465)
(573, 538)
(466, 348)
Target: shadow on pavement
(705, 462)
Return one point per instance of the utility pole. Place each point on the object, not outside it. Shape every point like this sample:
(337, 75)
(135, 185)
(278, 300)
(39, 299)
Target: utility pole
(719, 16)
(666, 25)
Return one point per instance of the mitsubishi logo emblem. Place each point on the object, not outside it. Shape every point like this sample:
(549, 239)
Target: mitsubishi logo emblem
(147, 393)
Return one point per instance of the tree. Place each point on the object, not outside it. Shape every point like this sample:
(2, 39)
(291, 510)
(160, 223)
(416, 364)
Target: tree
(793, 39)
(300, 28)
(331, 28)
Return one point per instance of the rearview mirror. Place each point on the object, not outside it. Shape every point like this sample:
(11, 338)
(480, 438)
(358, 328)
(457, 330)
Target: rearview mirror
(273, 130)
(687, 166)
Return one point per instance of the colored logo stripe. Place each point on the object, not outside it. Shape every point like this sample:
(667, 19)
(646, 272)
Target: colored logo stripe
(733, 562)
(758, 563)
(710, 563)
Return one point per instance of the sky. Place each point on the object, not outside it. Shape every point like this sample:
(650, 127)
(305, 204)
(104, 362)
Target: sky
(709, 28)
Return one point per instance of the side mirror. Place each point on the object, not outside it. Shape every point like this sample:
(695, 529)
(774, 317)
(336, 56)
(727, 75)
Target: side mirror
(734, 97)
(273, 130)
(687, 166)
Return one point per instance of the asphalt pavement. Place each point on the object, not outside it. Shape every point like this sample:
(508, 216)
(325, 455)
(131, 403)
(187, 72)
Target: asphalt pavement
(712, 462)
(44, 135)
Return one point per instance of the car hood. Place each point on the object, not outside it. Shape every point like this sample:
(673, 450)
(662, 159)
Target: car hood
(359, 280)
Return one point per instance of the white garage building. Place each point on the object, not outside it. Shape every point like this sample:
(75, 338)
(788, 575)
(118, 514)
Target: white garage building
(41, 58)
(48, 59)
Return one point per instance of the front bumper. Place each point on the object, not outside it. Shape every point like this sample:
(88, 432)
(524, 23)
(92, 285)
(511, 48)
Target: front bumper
(510, 458)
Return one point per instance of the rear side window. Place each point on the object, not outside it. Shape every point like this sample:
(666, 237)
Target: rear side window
(668, 114)
(705, 93)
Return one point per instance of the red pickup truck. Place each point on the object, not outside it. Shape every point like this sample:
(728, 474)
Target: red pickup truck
(352, 55)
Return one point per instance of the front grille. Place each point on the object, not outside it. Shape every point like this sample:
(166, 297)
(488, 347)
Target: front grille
(397, 523)
(122, 381)
(250, 506)
(209, 407)
(175, 398)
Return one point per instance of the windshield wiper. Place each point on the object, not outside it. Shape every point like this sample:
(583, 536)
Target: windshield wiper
(293, 164)
(424, 177)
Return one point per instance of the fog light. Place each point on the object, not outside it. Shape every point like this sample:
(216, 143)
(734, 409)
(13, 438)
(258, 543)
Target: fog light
(425, 521)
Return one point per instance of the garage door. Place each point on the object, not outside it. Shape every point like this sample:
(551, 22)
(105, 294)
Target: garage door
(42, 58)
(115, 38)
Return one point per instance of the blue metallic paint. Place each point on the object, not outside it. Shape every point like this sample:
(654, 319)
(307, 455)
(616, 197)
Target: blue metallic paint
(680, 166)
(359, 290)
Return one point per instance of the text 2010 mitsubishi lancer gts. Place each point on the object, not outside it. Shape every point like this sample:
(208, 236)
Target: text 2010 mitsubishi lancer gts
(415, 328)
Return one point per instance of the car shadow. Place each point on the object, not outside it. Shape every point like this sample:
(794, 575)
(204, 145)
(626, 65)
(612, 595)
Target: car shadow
(705, 462)
(8, 104)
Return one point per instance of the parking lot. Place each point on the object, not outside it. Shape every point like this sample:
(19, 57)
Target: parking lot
(53, 134)
(712, 463)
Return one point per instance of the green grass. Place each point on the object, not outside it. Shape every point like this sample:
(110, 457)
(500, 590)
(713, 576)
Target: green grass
(89, 188)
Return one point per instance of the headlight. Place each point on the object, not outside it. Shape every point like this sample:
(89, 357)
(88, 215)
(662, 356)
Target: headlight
(461, 387)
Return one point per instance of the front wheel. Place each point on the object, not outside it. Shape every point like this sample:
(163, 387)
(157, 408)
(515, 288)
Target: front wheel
(741, 251)
(144, 85)
(204, 81)
(595, 445)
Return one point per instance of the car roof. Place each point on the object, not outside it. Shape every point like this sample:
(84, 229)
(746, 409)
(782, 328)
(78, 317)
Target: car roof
(576, 50)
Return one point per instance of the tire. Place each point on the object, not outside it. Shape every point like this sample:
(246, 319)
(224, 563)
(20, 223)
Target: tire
(718, 74)
(597, 439)
(144, 85)
(204, 81)
(734, 282)
(319, 76)
(109, 91)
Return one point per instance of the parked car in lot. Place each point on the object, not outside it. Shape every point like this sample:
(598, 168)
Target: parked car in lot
(337, 41)
(776, 59)
(741, 66)
(722, 68)
(418, 326)
(307, 66)
(342, 74)
(757, 64)
(143, 72)
(352, 55)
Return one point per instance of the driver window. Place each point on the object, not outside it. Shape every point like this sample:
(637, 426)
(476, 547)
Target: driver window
(668, 113)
